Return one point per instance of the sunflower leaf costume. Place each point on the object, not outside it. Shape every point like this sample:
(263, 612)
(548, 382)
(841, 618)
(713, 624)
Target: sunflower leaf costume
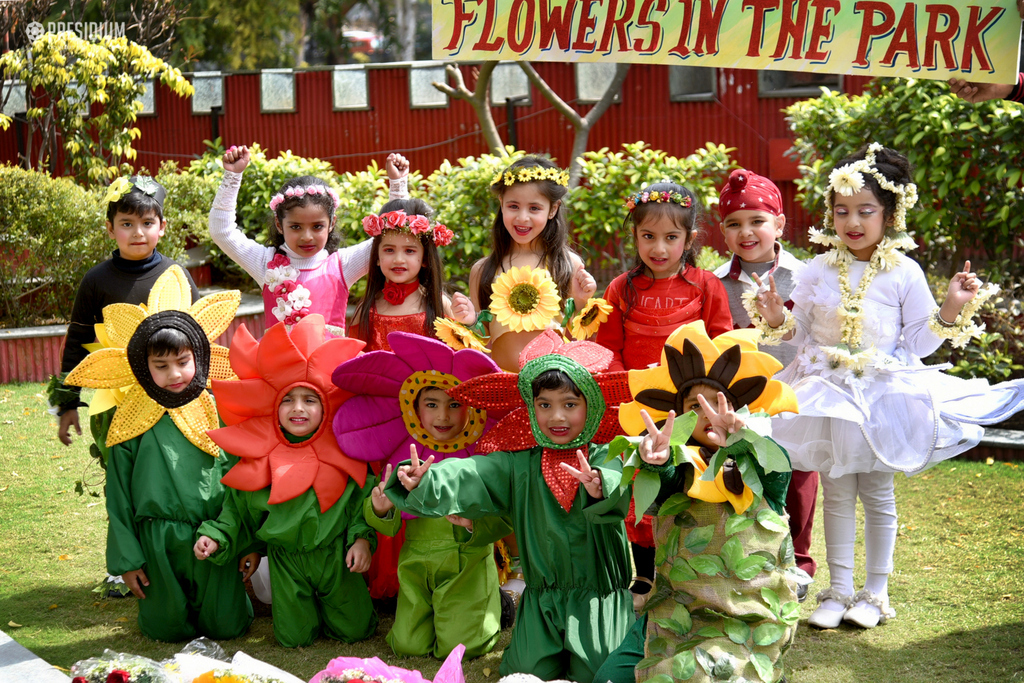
(299, 500)
(576, 607)
(724, 601)
(448, 582)
(163, 477)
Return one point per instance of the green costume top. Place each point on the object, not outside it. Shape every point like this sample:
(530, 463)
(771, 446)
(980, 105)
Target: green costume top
(159, 474)
(249, 522)
(592, 540)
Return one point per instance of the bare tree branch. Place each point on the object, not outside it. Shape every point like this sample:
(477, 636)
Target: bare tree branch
(478, 99)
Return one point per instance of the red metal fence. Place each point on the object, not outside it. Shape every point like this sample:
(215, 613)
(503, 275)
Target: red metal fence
(738, 117)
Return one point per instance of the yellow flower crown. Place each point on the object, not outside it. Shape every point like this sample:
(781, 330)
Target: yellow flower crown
(532, 174)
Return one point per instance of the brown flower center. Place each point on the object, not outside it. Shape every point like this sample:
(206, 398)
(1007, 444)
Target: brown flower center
(523, 298)
(590, 316)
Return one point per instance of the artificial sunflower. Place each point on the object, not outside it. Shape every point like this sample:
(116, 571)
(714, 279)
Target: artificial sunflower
(458, 336)
(585, 323)
(122, 364)
(267, 370)
(525, 299)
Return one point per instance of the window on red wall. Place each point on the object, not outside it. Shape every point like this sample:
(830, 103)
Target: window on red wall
(691, 83)
(795, 83)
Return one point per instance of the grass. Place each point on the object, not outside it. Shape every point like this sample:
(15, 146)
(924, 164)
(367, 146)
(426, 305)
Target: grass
(958, 587)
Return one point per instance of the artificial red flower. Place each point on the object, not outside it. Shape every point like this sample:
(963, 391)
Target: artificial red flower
(118, 676)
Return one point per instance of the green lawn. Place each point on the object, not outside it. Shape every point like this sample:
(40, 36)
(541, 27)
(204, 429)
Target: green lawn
(958, 587)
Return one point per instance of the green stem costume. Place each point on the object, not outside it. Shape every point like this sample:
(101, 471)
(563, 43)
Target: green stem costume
(576, 607)
(160, 488)
(448, 585)
(311, 584)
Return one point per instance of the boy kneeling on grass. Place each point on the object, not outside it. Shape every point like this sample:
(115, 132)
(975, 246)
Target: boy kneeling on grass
(163, 476)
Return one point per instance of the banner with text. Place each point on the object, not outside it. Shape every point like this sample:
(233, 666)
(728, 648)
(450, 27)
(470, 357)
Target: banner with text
(978, 41)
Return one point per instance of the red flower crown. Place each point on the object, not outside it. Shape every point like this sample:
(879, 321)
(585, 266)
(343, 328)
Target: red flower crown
(374, 225)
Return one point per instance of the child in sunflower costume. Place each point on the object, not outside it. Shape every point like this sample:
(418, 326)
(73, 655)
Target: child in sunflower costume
(724, 600)
(164, 472)
(294, 496)
(576, 607)
(448, 590)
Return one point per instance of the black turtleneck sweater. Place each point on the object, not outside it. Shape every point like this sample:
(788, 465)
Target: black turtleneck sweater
(116, 281)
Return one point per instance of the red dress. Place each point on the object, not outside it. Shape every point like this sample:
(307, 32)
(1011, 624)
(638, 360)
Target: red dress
(660, 307)
(383, 574)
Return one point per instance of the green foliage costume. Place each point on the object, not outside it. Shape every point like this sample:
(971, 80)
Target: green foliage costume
(724, 603)
(449, 585)
(306, 549)
(160, 488)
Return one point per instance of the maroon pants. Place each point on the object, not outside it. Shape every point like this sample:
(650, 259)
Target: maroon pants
(800, 502)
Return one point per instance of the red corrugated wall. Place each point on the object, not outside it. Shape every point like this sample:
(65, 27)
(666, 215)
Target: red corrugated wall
(738, 118)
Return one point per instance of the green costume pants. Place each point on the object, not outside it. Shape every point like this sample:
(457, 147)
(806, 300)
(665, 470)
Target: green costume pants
(566, 632)
(620, 667)
(187, 598)
(448, 594)
(315, 590)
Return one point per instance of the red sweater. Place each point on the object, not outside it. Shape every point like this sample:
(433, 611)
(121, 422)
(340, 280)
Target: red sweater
(660, 307)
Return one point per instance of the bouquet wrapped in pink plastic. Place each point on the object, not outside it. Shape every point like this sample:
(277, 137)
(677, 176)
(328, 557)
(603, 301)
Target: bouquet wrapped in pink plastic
(357, 670)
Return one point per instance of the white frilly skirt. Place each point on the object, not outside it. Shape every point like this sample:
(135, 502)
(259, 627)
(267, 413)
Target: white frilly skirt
(899, 416)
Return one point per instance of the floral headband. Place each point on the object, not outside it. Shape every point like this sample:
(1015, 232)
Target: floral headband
(644, 196)
(531, 174)
(144, 184)
(848, 180)
(400, 220)
(312, 191)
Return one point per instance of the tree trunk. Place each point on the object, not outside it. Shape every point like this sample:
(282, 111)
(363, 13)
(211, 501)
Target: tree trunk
(478, 99)
(405, 24)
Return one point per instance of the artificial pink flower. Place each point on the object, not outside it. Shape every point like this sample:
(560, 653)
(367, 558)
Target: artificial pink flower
(442, 235)
(396, 218)
(419, 225)
(373, 225)
(278, 261)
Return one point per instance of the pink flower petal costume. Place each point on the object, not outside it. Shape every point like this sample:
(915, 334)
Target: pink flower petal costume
(448, 582)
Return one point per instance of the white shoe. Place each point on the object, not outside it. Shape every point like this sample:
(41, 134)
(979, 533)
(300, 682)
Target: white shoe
(832, 610)
(870, 610)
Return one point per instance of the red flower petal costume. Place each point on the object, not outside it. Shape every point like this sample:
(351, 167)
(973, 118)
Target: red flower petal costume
(499, 395)
(267, 370)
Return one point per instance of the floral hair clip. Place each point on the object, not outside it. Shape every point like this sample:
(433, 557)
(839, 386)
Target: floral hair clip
(643, 197)
(312, 190)
(374, 225)
(123, 186)
(531, 174)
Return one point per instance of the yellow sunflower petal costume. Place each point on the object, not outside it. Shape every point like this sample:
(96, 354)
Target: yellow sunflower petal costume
(119, 363)
(724, 557)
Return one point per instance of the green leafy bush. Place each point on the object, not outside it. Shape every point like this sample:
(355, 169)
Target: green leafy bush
(186, 208)
(609, 177)
(967, 160)
(51, 233)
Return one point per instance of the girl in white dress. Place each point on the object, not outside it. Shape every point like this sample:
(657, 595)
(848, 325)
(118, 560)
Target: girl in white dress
(863, 318)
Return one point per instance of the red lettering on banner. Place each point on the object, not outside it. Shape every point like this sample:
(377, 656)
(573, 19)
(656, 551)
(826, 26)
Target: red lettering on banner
(709, 26)
(792, 29)
(943, 39)
(761, 8)
(462, 20)
(517, 45)
(684, 31)
(869, 30)
(905, 39)
(974, 43)
(644, 20)
(557, 22)
(486, 43)
(821, 29)
(587, 24)
(617, 25)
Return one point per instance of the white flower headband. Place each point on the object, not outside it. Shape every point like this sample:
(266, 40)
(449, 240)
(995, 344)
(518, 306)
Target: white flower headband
(312, 190)
(848, 180)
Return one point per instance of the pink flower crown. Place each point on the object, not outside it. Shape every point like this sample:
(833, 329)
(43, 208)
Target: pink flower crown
(374, 225)
(644, 197)
(312, 190)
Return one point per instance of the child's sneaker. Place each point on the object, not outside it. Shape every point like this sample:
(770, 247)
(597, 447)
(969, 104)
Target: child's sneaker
(509, 602)
(870, 610)
(833, 608)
